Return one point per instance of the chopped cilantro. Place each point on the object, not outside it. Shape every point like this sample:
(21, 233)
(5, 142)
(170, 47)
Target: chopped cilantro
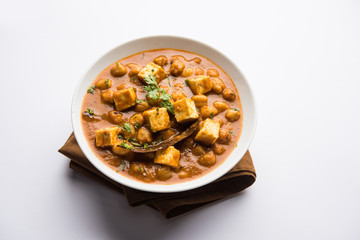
(91, 89)
(123, 165)
(126, 145)
(138, 101)
(120, 136)
(146, 145)
(107, 82)
(236, 109)
(187, 82)
(211, 115)
(155, 93)
(133, 79)
(231, 132)
(127, 127)
(89, 111)
(136, 125)
(141, 169)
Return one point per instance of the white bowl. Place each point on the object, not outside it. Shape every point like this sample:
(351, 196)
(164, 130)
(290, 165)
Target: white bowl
(156, 42)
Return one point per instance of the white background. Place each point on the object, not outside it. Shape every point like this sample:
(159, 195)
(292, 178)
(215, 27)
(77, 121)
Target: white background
(302, 60)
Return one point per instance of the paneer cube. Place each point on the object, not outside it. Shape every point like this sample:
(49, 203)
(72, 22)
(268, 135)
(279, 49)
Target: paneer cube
(185, 110)
(208, 132)
(125, 98)
(152, 68)
(200, 85)
(157, 118)
(106, 136)
(169, 156)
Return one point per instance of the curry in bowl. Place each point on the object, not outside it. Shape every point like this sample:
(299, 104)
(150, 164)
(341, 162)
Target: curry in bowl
(163, 116)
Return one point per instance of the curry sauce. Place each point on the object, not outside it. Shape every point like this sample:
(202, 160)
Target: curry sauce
(152, 96)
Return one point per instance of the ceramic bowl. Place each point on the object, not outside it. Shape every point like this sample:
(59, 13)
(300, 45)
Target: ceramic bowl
(157, 42)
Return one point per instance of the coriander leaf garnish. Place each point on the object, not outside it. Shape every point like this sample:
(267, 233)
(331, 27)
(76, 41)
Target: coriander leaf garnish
(236, 109)
(127, 127)
(211, 115)
(168, 105)
(138, 101)
(187, 82)
(107, 82)
(168, 79)
(91, 89)
(126, 145)
(231, 132)
(89, 111)
(123, 165)
(133, 79)
(120, 136)
(136, 125)
(155, 93)
(146, 145)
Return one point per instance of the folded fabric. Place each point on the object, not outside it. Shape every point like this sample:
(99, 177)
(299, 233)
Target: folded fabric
(170, 205)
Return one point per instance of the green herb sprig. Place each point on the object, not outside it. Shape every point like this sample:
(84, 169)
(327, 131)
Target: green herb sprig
(155, 93)
(91, 89)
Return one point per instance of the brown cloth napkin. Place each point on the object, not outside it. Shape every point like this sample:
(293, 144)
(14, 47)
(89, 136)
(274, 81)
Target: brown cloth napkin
(170, 205)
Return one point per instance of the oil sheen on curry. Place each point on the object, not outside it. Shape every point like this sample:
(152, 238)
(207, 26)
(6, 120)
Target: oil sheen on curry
(163, 116)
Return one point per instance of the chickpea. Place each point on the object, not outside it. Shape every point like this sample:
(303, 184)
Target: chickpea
(187, 72)
(119, 149)
(163, 173)
(198, 150)
(212, 73)
(161, 60)
(127, 130)
(118, 70)
(137, 169)
(221, 106)
(208, 112)
(115, 117)
(208, 159)
(142, 106)
(199, 71)
(104, 83)
(232, 115)
(144, 135)
(134, 69)
(176, 96)
(224, 136)
(183, 174)
(218, 85)
(219, 120)
(218, 149)
(168, 133)
(200, 100)
(122, 86)
(228, 94)
(188, 143)
(107, 96)
(177, 67)
(137, 120)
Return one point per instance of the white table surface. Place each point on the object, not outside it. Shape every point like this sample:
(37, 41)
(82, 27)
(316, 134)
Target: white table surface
(302, 60)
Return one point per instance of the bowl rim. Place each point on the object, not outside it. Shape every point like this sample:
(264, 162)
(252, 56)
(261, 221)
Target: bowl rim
(150, 187)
